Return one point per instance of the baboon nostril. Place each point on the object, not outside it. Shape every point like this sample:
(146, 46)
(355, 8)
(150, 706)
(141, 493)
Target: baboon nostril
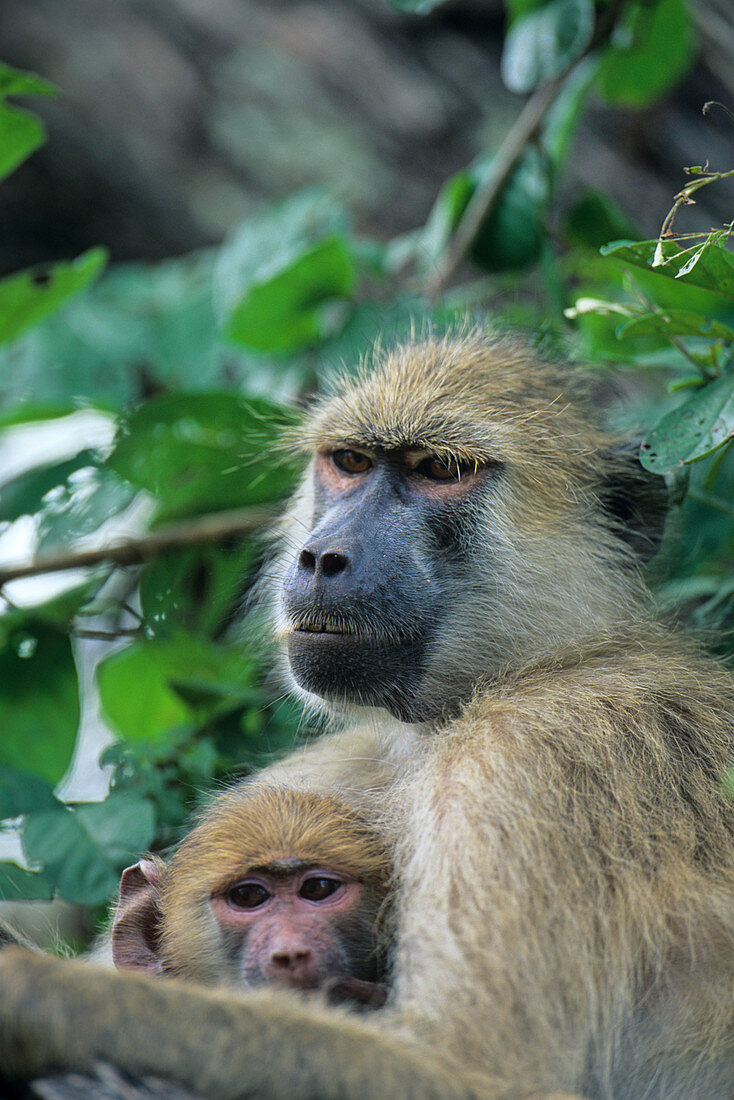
(307, 561)
(332, 564)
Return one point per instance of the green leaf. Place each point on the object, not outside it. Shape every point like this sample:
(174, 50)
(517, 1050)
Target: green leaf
(676, 323)
(20, 132)
(34, 412)
(546, 41)
(23, 495)
(649, 54)
(517, 8)
(712, 271)
(703, 423)
(82, 849)
(39, 705)
(18, 82)
(204, 452)
(152, 712)
(30, 295)
(281, 273)
(512, 236)
(21, 793)
(19, 884)
(195, 589)
(594, 220)
(564, 114)
(88, 498)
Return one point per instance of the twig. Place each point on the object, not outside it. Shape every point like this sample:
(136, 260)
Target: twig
(524, 131)
(203, 529)
(488, 191)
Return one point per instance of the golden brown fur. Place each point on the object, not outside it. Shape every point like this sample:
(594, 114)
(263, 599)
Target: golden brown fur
(566, 855)
(243, 829)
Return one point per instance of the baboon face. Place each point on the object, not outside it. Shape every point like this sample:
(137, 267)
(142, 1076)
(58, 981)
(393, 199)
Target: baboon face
(465, 514)
(369, 590)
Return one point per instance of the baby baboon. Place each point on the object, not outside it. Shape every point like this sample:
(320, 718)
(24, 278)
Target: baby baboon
(273, 885)
(459, 587)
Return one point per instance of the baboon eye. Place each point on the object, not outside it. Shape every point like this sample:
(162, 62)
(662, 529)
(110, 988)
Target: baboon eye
(247, 895)
(351, 462)
(319, 888)
(442, 469)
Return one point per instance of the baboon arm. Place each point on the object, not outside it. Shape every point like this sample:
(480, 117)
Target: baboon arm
(58, 1014)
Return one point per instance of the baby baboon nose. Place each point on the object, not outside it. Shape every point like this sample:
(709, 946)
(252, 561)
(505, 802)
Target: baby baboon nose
(292, 959)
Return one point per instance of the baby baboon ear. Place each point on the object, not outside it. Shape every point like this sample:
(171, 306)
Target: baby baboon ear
(635, 500)
(136, 923)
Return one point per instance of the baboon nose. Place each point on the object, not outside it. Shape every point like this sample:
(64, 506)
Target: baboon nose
(289, 959)
(326, 563)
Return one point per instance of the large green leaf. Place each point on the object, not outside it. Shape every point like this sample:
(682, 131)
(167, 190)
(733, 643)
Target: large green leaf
(39, 702)
(21, 793)
(650, 53)
(195, 589)
(156, 708)
(280, 273)
(512, 236)
(19, 884)
(545, 41)
(82, 849)
(204, 452)
(690, 432)
(30, 295)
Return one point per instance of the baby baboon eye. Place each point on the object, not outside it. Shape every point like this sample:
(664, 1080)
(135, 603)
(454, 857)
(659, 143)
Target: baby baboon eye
(319, 888)
(443, 469)
(351, 462)
(247, 895)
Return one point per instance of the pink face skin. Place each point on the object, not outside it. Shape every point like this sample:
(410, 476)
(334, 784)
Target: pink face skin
(292, 924)
(302, 925)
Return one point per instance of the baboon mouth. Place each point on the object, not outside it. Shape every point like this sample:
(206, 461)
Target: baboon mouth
(318, 628)
(315, 626)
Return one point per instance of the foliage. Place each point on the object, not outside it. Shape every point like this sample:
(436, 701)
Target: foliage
(169, 387)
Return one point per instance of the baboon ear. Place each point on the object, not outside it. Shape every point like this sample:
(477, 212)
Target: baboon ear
(136, 923)
(636, 501)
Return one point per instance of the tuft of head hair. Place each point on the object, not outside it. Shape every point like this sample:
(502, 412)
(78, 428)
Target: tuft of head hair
(247, 828)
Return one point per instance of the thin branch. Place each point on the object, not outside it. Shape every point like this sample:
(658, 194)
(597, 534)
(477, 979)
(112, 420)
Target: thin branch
(212, 528)
(488, 191)
(520, 136)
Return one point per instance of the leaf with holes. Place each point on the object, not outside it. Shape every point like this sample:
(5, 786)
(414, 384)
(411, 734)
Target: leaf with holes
(29, 296)
(692, 431)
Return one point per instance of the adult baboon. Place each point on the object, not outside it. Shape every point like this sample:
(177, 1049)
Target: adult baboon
(543, 756)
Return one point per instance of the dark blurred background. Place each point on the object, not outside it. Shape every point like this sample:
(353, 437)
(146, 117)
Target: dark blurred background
(178, 117)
